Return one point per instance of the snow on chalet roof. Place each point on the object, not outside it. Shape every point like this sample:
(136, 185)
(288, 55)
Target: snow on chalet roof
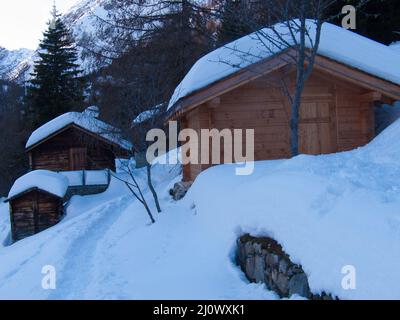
(45, 180)
(336, 43)
(84, 120)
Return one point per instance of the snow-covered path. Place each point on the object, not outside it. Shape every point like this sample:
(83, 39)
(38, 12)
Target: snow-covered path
(5, 231)
(75, 276)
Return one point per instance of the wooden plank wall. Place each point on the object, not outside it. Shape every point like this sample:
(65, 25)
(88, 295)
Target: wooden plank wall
(55, 153)
(343, 121)
(261, 106)
(49, 211)
(22, 217)
(355, 118)
(34, 212)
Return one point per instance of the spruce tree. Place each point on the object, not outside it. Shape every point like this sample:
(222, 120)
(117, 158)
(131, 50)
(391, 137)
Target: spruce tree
(235, 21)
(241, 17)
(57, 83)
(378, 20)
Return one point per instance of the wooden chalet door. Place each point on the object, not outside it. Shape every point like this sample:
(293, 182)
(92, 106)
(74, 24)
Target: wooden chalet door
(78, 159)
(317, 128)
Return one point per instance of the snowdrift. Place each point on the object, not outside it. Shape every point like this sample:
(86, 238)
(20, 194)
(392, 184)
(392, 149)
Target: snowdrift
(326, 211)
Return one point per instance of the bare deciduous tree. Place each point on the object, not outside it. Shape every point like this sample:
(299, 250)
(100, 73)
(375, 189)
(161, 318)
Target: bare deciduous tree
(152, 44)
(135, 188)
(293, 27)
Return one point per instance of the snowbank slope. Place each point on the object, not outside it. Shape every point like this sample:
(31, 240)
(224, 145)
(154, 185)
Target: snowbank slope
(327, 211)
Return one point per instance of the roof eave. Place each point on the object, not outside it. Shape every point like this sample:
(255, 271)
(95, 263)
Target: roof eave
(386, 87)
(241, 76)
(30, 190)
(73, 124)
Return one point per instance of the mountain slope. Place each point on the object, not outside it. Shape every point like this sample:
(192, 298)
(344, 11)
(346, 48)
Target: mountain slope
(15, 64)
(81, 19)
(84, 20)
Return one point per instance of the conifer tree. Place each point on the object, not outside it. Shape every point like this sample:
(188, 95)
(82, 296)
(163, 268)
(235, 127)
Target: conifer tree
(235, 21)
(378, 19)
(57, 84)
(241, 17)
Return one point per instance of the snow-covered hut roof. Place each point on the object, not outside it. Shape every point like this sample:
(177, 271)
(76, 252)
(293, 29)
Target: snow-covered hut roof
(85, 120)
(336, 43)
(48, 181)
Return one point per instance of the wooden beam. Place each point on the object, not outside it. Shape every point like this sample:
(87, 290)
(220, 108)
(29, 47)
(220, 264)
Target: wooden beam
(325, 65)
(214, 102)
(376, 97)
(79, 128)
(33, 189)
(357, 77)
(229, 83)
(371, 96)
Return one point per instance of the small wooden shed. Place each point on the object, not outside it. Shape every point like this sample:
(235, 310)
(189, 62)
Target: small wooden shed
(36, 202)
(76, 141)
(244, 86)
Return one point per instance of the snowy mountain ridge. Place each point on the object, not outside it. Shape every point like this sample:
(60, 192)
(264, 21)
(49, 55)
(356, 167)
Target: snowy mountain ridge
(81, 19)
(15, 64)
(84, 21)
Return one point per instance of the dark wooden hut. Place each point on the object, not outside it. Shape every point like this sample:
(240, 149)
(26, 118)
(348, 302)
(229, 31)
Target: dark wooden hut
(36, 202)
(75, 141)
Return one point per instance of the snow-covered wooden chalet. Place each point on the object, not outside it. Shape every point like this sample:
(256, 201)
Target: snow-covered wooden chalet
(236, 87)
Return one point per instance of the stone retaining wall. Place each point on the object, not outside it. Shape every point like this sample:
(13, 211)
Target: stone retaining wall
(264, 261)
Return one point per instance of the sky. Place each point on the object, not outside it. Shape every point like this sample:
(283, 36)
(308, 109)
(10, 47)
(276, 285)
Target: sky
(22, 22)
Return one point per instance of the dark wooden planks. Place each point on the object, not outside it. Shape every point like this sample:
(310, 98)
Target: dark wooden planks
(33, 212)
(56, 153)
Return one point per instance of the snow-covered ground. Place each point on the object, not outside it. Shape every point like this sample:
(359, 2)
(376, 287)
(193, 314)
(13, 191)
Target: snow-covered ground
(5, 230)
(327, 212)
(105, 248)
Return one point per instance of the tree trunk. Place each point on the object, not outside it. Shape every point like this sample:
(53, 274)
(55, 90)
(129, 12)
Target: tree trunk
(143, 201)
(294, 130)
(151, 187)
(149, 212)
(294, 121)
(300, 80)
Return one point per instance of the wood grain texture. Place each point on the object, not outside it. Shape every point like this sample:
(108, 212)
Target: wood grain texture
(335, 115)
(58, 153)
(33, 212)
(330, 68)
